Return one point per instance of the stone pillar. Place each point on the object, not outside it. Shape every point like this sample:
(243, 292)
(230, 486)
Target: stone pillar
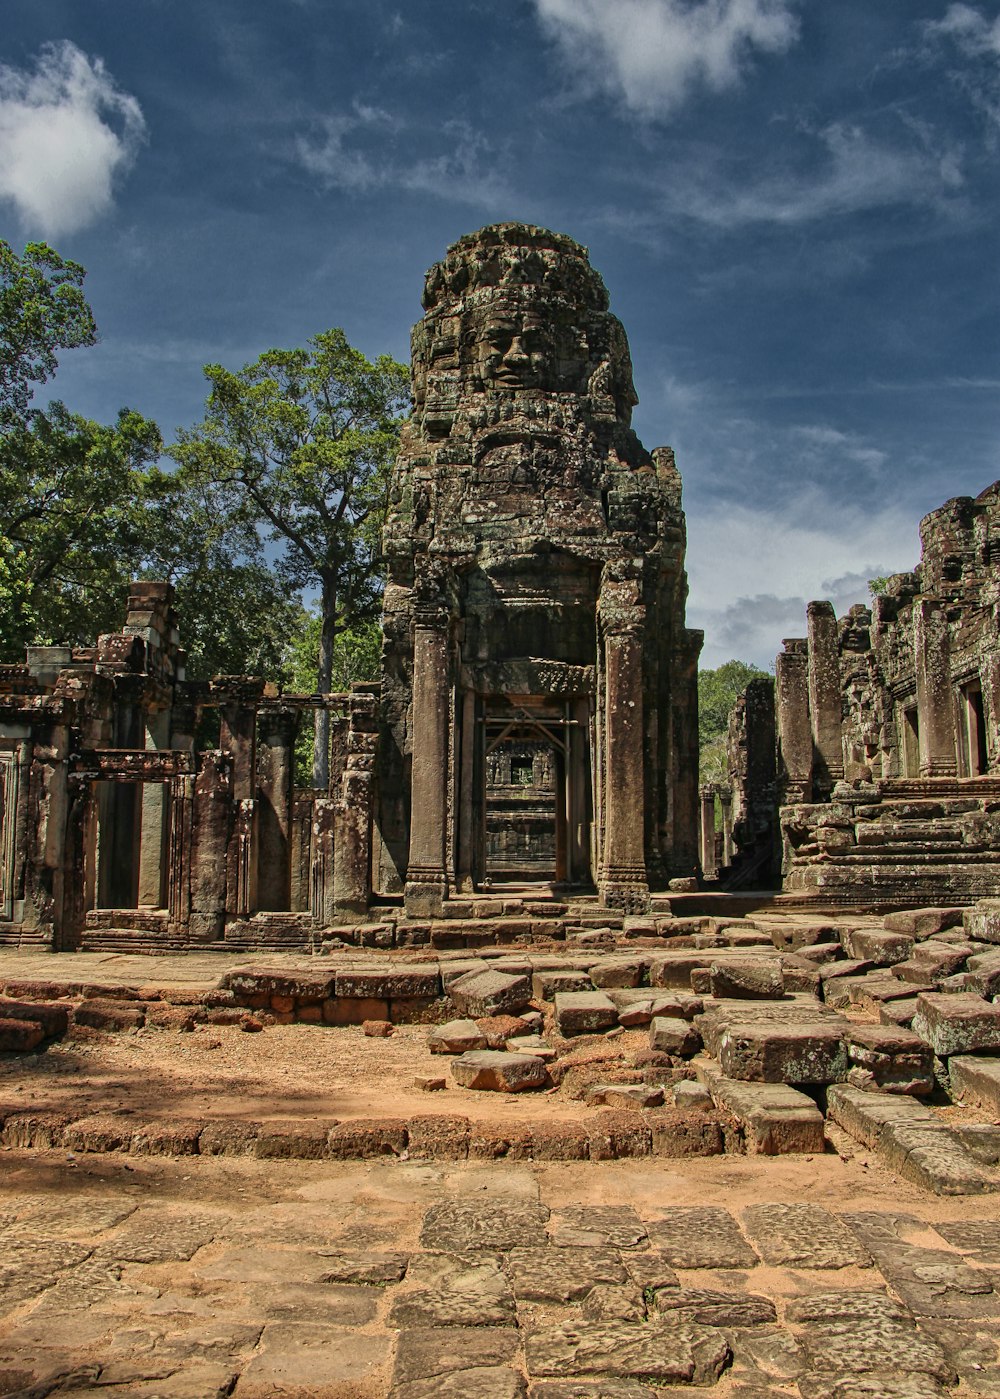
(708, 866)
(276, 730)
(426, 881)
(825, 706)
(623, 872)
(726, 799)
(237, 738)
(324, 819)
(352, 851)
(466, 795)
(211, 824)
(795, 740)
(935, 697)
(153, 817)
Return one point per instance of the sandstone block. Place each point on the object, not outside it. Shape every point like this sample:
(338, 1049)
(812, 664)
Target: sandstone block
(976, 1079)
(492, 1070)
(584, 1012)
(639, 1095)
(889, 1060)
(617, 972)
(456, 1037)
(752, 979)
(882, 949)
(774, 1053)
(982, 920)
(19, 1036)
(671, 1035)
(545, 984)
(957, 1024)
(922, 923)
(489, 993)
(377, 1029)
(109, 1015)
(387, 983)
(52, 1017)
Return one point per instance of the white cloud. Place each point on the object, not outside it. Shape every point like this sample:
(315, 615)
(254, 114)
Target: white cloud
(855, 172)
(66, 132)
(753, 570)
(353, 152)
(652, 53)
(977, 39)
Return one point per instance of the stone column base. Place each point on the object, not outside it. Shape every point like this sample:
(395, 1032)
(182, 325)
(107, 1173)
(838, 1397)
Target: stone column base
(424, 894)
(626, 890)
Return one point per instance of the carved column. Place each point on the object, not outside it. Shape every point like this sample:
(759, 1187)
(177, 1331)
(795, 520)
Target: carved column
(708, 866)
(211, 824)
(935, 698)
(825, 705)
(623, 872)
(353, 829)
(426, 881)
(153, 819)
(726, 799)
(276, 731)
(466, 795)
(795, 741)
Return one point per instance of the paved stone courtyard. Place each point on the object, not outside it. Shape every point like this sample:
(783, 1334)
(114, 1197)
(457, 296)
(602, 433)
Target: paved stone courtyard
(819, 1277)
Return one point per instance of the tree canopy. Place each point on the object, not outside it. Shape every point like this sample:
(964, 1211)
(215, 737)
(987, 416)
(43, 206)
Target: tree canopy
(718, 691)
(297, 446)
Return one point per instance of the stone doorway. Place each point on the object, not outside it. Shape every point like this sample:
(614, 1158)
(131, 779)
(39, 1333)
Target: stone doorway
(535, 793)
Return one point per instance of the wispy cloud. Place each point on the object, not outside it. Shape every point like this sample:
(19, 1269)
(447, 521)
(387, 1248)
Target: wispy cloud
(66, 132)
(753, 570)
(356, 152)
(975, 37)
(851, 172)
(651, 54)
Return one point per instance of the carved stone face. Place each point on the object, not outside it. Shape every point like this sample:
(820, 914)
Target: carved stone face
(521, 346)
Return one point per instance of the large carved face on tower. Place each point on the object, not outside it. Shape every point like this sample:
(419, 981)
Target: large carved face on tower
(517, 310)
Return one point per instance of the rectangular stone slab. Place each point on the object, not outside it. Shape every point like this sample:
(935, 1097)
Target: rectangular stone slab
(957, 1023)
(584, 1012)
(773, 1053)
(803, 1236)
(693, 1236)
(664, 1354)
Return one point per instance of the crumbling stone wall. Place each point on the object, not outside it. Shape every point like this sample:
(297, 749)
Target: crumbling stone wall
(888, 727)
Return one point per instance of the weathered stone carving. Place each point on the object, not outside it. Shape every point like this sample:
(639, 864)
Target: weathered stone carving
(536, 586)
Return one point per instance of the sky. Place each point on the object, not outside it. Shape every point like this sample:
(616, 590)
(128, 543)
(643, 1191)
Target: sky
(794, 204)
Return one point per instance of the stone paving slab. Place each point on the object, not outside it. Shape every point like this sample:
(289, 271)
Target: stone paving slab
(803, 1236)
(700, 1237)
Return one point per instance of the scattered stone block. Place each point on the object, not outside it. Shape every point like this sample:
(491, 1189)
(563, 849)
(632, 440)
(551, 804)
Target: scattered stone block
(777, 1120)
(545, 984)
(489, 993)
(923, 923)
(975, 1079)
(456, 1037)
(899, 1012)
(690, 1094)
(882, 949)
(530, 1044)
(957, 1024)
(888, 1059)
(933, 962)
(639, 1095)
(669, 1035)
(584, 1013)
(492, 1070)
(53, 1017)
(20, 1036)
(774, 1053)
(749, 979)
(109, 1015)
(377, 1029)
(982, 920)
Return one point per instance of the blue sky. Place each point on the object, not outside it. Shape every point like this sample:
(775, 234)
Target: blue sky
(794, 205)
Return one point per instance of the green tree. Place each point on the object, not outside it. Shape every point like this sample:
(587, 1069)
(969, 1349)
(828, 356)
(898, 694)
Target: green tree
(718, 691)
(356, 655)
(877, 585)
(298, 445)
(42, 310)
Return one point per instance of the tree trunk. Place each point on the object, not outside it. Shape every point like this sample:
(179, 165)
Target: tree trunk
(328, 632)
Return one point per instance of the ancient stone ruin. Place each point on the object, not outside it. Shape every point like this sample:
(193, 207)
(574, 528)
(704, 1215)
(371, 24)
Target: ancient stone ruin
(868, 771)
(513, 868)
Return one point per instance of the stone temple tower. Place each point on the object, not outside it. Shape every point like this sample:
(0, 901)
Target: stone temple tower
(539, 686)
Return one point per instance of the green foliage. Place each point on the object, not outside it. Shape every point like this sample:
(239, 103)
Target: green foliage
(356, 655)
(876, 586)
(718, 691)
(299, 445)
(42, 310)
(72, 521)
